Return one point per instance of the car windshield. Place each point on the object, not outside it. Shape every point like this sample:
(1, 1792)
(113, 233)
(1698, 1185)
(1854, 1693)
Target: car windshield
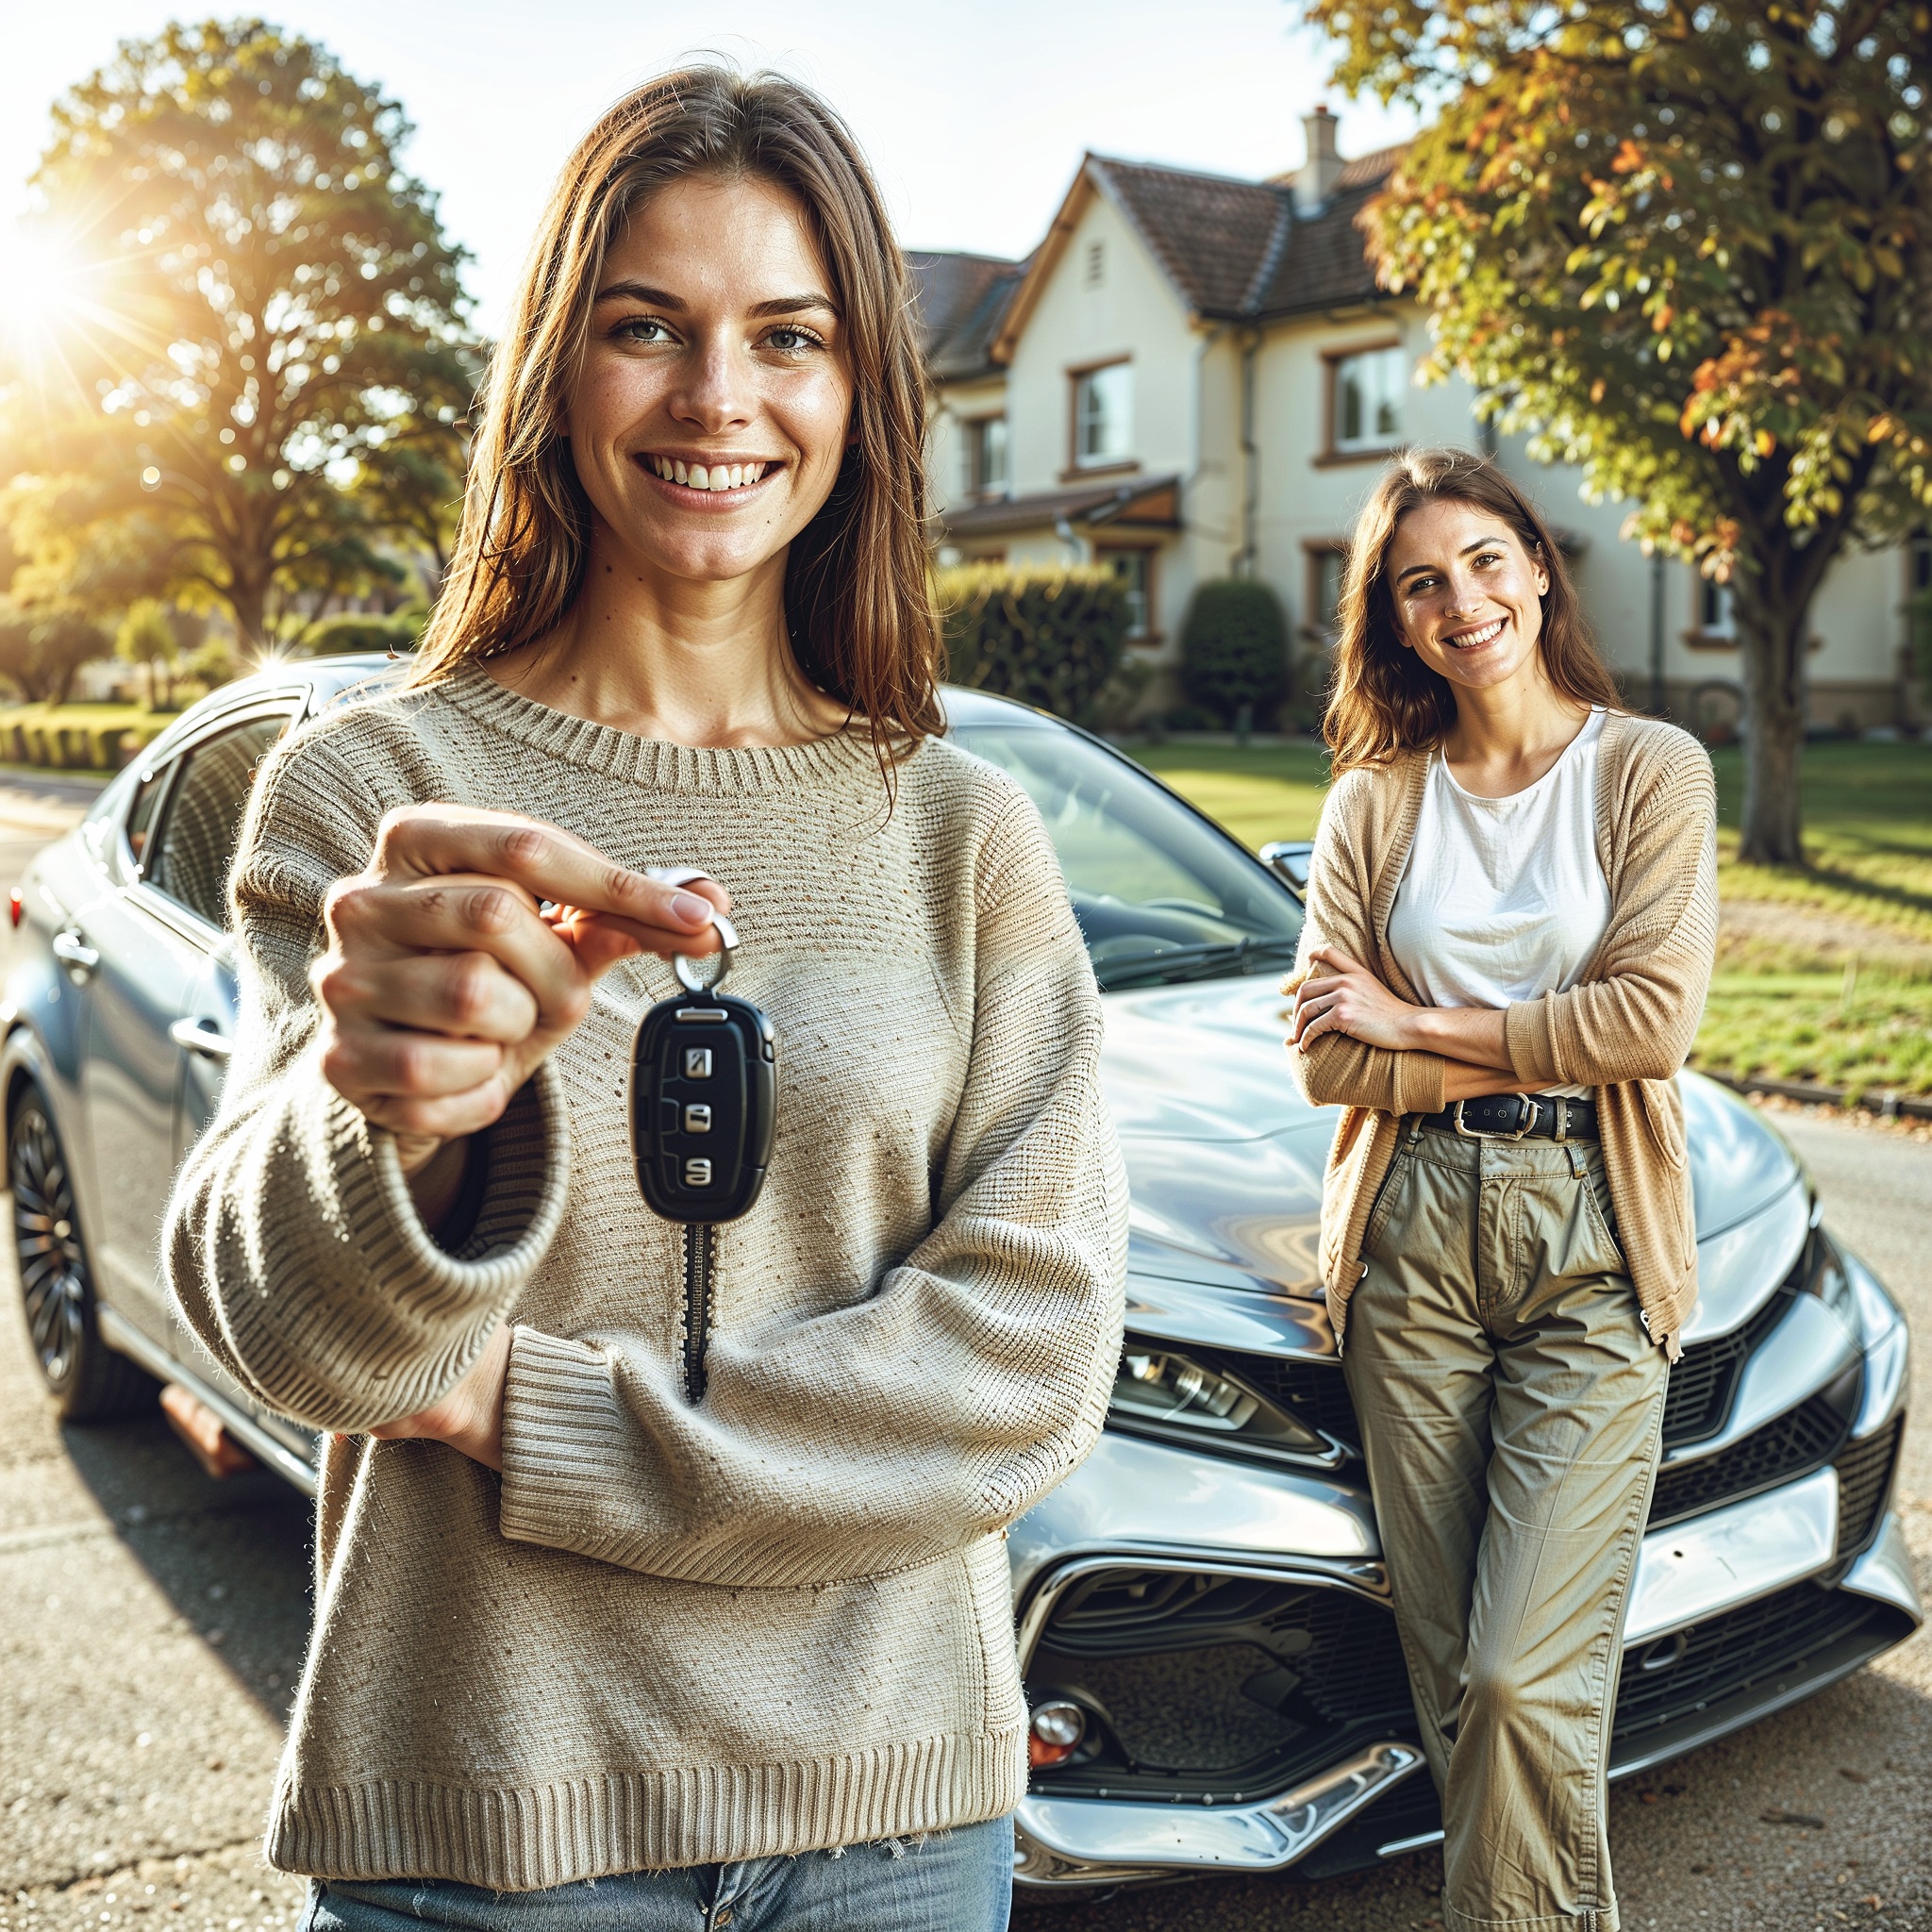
(1161, 896)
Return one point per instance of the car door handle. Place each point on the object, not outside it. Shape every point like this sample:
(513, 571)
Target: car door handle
(76, 954)
(197, 1036)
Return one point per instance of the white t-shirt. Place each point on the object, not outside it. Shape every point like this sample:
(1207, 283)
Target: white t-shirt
(1504, 899)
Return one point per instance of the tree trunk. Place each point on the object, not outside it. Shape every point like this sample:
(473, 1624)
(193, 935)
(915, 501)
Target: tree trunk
(1773, 636)
(248, 600)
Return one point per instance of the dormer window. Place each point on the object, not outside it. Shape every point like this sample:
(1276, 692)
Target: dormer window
(1104, 416)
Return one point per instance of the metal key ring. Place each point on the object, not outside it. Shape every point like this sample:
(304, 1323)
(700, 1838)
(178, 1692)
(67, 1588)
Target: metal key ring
(704, 972)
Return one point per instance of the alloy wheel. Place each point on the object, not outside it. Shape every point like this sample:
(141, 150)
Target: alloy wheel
(46, 1242)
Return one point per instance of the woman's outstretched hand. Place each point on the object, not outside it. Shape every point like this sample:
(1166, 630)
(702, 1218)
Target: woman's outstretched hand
(464, 953)
(1342, 995)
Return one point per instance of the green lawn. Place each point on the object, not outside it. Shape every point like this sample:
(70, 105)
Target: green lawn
(1823, 974)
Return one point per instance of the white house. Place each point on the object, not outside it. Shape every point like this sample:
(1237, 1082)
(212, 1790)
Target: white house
(1196, 377)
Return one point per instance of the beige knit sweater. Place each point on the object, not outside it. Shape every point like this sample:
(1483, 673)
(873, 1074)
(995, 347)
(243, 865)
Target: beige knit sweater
(670, 1634)
(1625, 1030)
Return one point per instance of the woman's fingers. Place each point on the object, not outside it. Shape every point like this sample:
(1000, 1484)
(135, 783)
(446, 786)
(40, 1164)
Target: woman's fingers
(462, 995)
(371, 1062)
(548, 862)
(1336, 959)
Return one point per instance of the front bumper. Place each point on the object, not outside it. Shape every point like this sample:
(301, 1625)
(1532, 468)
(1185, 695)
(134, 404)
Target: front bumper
(1734, 1615)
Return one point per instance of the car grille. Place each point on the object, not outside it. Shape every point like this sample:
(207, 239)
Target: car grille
(1801, 1439)
(1864, 1478)
(1704, 1382)
(1676, 1676)
(1757, 1645)
(1205, 1686)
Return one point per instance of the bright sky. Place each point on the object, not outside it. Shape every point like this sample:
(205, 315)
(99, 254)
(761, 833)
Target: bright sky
(975, 114)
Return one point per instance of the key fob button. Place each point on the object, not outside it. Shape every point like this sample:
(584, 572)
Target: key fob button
(697, 1174)
(697, 1118)
(697, 1062)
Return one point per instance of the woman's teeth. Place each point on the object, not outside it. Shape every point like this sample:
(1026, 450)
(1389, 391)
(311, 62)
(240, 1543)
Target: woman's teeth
(700, 477)
(1467, 640)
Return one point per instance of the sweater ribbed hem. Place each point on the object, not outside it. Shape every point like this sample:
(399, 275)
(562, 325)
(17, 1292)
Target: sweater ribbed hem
(560, 1834)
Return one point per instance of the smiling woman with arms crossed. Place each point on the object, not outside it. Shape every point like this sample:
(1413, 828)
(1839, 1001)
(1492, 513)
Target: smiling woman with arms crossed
(1513, 912)
(739, 1647)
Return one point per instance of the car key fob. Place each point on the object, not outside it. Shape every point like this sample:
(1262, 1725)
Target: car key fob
(704, 1095)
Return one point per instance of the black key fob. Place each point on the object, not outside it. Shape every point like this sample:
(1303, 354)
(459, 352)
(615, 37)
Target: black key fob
(704, 1095)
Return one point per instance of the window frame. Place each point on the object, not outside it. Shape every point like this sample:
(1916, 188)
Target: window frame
(1700, 635)
(1077, 471)
(1315, 553)
(1149, 554)
(1332, 450)
(291, 706)
(973, 431)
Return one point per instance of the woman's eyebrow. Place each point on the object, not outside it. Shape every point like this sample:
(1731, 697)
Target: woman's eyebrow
(1480, 543)
(663, 298)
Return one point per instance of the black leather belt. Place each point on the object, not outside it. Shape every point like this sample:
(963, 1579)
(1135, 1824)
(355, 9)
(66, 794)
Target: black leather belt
(1517, 1117)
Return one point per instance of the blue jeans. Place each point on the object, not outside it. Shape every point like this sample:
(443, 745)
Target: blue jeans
(955, 1881)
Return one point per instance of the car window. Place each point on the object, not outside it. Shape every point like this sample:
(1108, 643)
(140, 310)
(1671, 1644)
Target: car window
(149, 790)
(1160, 894)
(192, 855)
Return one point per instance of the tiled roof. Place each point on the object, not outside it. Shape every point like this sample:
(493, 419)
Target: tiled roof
(959, 301)
(1239, 250)
(1209, 232)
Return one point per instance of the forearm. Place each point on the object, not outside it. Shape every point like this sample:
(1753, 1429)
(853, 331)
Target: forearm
(1473, 1035)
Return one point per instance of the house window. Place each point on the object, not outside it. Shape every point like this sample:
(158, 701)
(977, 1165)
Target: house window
(1096, 263)
(1716, 617)
(1921, 562)
(1326, 568)
(984, 451)
(1133, 568)
(1368, 399)
(1104, 416)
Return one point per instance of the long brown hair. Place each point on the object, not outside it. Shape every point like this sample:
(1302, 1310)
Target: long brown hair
(857, 591)
(1384, 699)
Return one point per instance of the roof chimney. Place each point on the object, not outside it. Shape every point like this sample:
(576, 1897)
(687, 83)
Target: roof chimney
(1315, 179)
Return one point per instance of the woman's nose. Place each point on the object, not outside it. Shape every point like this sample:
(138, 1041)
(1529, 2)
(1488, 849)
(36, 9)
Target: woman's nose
(715, 393)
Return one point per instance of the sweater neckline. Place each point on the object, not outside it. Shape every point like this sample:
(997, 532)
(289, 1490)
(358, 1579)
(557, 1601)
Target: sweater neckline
(657, 763)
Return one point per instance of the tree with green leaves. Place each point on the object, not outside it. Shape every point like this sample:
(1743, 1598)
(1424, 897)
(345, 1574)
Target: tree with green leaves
(262, 315)
(1689, 248)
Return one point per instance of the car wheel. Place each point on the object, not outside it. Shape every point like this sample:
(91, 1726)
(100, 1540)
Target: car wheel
(87, 1381)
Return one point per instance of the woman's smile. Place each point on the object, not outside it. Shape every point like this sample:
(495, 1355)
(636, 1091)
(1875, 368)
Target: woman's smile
(1476, 635)
(716, 481)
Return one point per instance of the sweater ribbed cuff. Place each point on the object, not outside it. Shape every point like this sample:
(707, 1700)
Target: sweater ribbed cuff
(1419, 1081)
(408, 1352)
(1530, 1041)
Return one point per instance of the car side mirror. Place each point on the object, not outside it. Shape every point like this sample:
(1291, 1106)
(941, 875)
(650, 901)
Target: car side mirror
(1287, 859)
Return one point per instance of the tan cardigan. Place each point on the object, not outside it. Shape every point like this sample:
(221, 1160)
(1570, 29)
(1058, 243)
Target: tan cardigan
(1625, 1030)
(675, 1634)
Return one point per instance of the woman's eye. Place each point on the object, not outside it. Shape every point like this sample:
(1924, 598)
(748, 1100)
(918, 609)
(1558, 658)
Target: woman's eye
(792, 341)
(643, 328)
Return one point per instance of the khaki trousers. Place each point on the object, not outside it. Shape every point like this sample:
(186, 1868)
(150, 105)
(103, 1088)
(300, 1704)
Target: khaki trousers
(1511, 1404)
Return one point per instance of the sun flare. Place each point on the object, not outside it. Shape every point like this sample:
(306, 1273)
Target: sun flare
(40, 289)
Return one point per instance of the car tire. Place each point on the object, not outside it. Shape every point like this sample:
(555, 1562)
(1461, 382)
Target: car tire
(87, 1381)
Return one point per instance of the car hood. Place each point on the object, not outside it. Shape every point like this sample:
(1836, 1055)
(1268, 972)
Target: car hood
(1225, 1157)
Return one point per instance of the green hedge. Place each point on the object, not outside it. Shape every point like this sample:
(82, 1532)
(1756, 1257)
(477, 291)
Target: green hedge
(1047, 637)
(1234, 650)
(79, 738)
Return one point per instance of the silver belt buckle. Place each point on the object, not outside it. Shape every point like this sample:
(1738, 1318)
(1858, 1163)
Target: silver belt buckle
(1470, 1133)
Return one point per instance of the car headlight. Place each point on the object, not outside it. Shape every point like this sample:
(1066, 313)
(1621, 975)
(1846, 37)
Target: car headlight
(1158, 1393)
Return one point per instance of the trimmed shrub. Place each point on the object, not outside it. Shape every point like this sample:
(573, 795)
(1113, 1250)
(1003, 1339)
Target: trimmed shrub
(1047, 637)
(1234, 650)
(44, 735)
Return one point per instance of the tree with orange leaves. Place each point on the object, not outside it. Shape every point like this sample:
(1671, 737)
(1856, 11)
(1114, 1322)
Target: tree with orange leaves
(1689, 248)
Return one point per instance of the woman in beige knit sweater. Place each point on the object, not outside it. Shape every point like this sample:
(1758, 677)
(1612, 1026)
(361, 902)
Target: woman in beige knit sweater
(736, 1643)
(1512, 910)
